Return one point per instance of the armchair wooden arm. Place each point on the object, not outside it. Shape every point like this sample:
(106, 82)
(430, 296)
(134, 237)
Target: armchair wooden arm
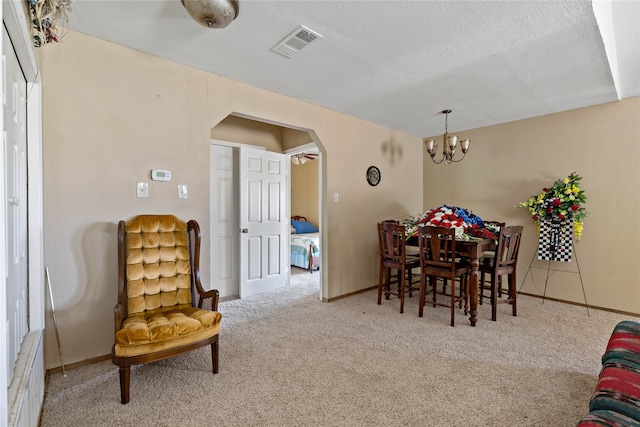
(213, 294)
(118, 317)
(194, 248)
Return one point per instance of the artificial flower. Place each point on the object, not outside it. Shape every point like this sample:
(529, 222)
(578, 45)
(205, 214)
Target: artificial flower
(467, 224)
(564, 200)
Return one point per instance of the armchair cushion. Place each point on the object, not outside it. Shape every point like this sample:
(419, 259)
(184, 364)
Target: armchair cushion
(157, 263)
(161, 330)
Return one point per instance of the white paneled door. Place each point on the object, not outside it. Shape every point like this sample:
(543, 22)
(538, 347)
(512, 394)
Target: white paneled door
(15, 206)
(224, 219)
(263, 220)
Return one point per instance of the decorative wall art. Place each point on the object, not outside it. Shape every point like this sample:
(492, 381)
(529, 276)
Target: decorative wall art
(373, 176)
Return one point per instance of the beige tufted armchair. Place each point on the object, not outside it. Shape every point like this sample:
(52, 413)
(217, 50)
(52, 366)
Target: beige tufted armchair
(156, 316)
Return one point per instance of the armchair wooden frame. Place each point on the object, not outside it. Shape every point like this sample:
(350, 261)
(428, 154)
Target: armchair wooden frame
(121, 310)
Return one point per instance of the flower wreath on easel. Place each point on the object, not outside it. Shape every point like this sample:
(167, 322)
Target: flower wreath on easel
(563, 200)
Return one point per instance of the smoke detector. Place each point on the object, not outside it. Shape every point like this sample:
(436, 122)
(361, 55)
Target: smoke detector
(296, 41)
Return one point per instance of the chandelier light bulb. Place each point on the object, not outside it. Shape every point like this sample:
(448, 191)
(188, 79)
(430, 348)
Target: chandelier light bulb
(431, 147)
(453, 142)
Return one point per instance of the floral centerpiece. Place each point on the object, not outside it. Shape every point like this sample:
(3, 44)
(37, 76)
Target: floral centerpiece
(564, 199)
(467, 224)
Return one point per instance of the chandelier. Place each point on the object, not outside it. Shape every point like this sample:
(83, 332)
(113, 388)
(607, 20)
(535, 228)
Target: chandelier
(212, 13)
(449, 145)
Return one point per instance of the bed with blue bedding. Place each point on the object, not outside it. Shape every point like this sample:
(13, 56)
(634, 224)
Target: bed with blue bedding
(305, 244)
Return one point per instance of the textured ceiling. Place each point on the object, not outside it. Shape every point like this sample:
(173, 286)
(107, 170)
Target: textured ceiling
(400, 63)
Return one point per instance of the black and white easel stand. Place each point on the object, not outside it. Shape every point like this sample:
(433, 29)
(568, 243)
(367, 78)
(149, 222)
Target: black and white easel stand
(549, 270)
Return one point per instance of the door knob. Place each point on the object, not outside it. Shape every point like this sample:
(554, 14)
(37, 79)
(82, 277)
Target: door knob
(245, 230)
(14, 201)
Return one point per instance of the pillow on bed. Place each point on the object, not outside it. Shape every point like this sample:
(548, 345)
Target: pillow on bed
(304, 227)
(293, 230)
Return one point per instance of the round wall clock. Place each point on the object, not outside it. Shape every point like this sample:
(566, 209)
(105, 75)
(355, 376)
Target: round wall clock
(373, 176)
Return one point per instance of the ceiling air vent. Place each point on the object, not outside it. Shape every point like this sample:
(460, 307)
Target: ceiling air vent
(296, 41)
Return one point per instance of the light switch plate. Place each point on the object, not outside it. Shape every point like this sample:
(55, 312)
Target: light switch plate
(142, 189)
(183, 192)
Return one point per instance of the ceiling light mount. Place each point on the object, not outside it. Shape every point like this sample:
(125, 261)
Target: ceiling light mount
(449, 145)
(212, 13)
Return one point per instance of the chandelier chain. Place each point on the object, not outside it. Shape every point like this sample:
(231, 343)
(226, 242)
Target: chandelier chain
(446, 123)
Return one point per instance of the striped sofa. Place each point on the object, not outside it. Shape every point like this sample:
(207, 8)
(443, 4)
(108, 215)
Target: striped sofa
(616, 399)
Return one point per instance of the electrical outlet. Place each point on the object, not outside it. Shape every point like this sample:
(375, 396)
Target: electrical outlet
(336, 197)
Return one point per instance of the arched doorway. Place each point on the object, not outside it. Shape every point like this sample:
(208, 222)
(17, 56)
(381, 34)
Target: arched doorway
(237, 130)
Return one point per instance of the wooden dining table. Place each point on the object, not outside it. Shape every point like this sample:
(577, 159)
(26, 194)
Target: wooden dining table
(472, 250)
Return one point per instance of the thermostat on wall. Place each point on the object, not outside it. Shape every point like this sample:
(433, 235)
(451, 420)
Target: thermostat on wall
(160, 175)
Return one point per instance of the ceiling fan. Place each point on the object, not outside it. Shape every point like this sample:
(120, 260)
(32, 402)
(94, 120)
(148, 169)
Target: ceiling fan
(302, 158)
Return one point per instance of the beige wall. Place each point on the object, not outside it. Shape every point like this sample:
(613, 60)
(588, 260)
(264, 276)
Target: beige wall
(293, 138)
(250, 132)
(112, 114)
(304, 190)
(254, 132)
(508, 163)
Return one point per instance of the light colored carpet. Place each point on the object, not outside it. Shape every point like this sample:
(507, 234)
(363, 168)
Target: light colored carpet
(287, 359)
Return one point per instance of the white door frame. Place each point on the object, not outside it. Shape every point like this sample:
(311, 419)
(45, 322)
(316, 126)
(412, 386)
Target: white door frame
(297, 150)
(14, 18)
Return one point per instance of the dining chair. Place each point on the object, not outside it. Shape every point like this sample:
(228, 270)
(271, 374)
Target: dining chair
(393, 256)
(503, 263)
(486, 258)
(438, 261)
(381, 269)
